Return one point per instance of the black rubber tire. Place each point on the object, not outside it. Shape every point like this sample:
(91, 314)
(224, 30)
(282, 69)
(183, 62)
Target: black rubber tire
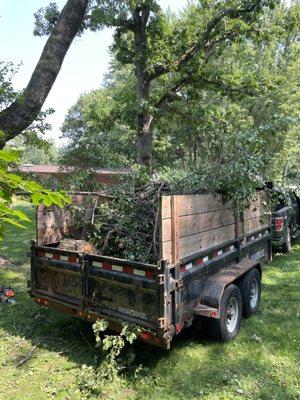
(218, 327)
(287, 245)
(245, 288)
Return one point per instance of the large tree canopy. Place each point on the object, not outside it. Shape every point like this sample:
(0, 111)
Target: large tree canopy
(241, 121)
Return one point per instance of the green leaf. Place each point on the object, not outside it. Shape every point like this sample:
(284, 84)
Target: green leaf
(14, 222)
(10, 155)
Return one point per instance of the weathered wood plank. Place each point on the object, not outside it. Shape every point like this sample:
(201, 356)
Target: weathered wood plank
(58, 217)
(193, 224)
(193, 244)
(54, 223)
(166, 227)
(197, 204)
(190, 245)
(52, 235)
(175, 229)
(256, 223)
(166, 251)
(165, 207)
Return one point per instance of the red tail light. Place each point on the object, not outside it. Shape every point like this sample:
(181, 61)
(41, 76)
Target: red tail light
(145, 336)
(278, 224)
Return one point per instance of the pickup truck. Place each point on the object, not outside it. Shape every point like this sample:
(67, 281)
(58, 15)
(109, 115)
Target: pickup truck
(285, 218)
(209, 272)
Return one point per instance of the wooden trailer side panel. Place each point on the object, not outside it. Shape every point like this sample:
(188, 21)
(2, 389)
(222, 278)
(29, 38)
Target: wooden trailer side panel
(193, 223)
(54, 223)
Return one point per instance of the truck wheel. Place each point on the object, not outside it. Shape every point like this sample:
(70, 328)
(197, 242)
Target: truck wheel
(250, 287)
(227, 326)
(287, 245)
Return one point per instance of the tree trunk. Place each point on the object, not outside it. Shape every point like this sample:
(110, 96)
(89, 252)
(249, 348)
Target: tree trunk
(143, 118)
(20, 114)
(144, 140)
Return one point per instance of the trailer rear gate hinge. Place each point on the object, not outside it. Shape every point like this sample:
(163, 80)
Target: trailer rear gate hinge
(175, 284)
(178, 284)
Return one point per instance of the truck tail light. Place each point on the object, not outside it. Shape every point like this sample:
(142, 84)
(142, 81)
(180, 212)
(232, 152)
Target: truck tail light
(278, 224)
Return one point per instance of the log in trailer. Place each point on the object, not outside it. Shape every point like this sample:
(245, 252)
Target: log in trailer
(210, 270)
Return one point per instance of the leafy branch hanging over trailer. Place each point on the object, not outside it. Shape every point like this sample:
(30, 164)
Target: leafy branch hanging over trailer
(210, 270)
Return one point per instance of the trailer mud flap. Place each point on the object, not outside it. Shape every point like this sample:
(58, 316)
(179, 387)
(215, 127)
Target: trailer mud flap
(214, 286)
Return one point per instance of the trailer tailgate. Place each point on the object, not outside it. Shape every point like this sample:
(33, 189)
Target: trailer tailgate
(106, 286)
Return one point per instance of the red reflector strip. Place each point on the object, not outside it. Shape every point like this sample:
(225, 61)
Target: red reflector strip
(72, 259)
(178, 328)
(149, 274)
(182, 268)
(199, 261)
(128, 270)
(118, 268)
(106, 265)
(56, 256)
(41, 254)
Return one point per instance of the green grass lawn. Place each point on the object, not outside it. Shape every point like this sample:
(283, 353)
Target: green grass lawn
(266, 368)
(16, 240)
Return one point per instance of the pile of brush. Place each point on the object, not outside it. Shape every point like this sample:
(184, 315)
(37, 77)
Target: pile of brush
(128, 225)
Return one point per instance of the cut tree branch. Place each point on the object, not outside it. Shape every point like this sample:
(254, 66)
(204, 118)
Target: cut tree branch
(20, 114)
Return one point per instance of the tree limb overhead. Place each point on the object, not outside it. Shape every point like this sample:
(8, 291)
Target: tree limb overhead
(20, 114)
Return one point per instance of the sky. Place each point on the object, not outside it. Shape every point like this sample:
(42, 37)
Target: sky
(84, 66)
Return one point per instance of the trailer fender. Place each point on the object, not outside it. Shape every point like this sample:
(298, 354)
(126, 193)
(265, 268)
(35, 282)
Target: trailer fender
(216, 284)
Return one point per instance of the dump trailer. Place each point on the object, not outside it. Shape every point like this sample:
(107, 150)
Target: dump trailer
(209, 271)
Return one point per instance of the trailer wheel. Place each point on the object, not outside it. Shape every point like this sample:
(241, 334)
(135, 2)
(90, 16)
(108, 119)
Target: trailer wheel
(250, 287)
(227, 326)
(287, 245)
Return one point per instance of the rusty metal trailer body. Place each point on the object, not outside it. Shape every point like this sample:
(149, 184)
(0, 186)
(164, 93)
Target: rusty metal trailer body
(204, 249)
